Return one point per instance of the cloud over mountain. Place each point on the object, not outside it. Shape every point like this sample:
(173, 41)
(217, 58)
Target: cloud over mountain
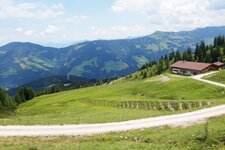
(175, 14)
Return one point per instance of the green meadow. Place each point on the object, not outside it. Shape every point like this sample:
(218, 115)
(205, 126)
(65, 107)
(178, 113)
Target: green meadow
(120, 101)
(218, 77)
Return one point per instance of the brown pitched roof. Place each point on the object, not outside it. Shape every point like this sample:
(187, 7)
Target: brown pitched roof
(190, 65)
(218, 64)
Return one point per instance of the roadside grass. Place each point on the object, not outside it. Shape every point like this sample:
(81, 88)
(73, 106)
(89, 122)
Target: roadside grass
(193, 137)
(218, 77)
(76, 113)
(73, 107)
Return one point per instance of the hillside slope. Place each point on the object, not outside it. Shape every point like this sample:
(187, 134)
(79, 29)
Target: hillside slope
(24, 62)
(119, 101)
(218, 77)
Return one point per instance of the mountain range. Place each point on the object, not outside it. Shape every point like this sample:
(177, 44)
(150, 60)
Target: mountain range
(25, 62)
(63, 82)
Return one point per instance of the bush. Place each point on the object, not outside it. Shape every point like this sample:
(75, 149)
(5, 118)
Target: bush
(185, 105)
(175, 105)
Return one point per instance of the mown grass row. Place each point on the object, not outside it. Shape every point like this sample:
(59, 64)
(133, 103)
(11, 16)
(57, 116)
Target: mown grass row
(151, 105)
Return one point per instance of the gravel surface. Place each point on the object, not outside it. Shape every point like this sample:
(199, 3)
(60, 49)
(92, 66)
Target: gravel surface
(199, 78)
(185, 119)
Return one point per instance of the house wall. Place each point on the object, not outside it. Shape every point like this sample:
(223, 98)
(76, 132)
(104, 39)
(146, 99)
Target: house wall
(185, 71)
(190, 72)
(207, 69)
(223, 67)
(215, 67)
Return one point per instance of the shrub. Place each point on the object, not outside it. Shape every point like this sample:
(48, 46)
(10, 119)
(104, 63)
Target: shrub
(185, 105)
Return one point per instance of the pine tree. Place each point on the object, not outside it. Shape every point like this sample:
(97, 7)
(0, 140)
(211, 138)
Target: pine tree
(185, 55)
(197, 52)
(177, 56)
(6, 102)
(167, 61)
(203, 50)
(145, 75)
(189, 55)
(24, 94)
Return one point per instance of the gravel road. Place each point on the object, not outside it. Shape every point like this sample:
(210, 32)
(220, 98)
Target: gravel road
(199, 78)
(184, 119)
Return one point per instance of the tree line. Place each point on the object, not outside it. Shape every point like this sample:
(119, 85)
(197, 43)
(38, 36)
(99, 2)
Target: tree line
(8, 104)
(202, 53)
(75, 85)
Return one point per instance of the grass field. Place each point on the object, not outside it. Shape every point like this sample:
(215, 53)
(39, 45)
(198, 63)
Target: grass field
(74, 107)
(193, 137)
(218, 77)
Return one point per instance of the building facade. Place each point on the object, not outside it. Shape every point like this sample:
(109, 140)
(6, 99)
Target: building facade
(194, 68)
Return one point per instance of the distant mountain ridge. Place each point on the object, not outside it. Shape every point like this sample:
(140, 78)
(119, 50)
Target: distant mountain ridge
(25, 62)
(64, 82)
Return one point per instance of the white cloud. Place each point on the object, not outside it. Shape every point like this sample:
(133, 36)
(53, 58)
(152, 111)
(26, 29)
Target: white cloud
(115, 32)
(29, 32)
(134, 5)
(217, 4)
(43, 35)
(59, 24)
(19, 30)
(92, 27)
(11, 9)
(52, 11)
(77, 18)
(51, 29)
(175, 14)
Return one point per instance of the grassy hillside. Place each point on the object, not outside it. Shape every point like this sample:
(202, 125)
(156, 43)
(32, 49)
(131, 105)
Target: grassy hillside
(155, 138)
(218, 77)
(25, 62)
(119, 101)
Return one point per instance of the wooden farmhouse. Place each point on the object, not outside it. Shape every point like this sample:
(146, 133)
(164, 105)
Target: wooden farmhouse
(193, 68)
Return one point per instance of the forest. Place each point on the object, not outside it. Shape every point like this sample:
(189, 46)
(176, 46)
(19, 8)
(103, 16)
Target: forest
(202, 53)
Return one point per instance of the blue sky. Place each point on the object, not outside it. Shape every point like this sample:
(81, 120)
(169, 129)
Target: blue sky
(57, 21)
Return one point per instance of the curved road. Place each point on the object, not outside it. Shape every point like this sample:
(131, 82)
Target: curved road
(173, 120)
(56, 130)
(199, 78)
